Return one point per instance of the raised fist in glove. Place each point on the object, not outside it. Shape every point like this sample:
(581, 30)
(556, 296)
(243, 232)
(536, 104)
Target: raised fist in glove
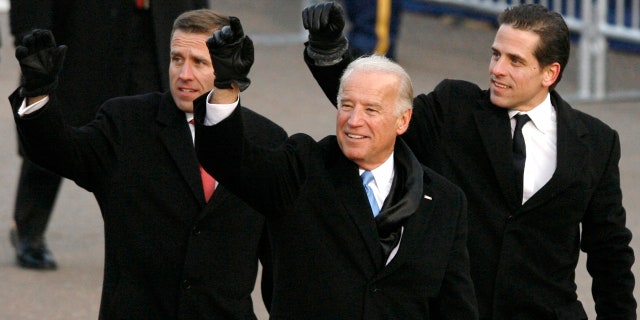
(325, 22)
(40, 62)
(232, 55)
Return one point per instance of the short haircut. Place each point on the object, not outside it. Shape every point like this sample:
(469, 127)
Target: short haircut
(555, 43)
(382, 64)
(203, 21)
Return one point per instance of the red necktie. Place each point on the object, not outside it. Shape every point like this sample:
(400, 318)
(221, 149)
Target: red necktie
(208, 182)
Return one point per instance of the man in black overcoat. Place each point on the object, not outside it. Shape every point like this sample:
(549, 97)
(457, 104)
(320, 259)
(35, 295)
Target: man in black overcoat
(115, 48)
(173, 250)
(398, 252)
(526, 229)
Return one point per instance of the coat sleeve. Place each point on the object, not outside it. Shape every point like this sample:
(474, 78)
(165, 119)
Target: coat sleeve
(227, 153)
(328, 77)
(606, 240)
(83, 154)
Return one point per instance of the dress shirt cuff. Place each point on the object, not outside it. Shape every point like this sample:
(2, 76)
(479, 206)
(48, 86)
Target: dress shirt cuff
(25, 109)
(218, 112)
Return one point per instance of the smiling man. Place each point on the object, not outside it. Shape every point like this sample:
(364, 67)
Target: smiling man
(538, 192)
(398, 253)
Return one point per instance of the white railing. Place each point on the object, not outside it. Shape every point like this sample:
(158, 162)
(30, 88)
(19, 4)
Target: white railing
(595, 21)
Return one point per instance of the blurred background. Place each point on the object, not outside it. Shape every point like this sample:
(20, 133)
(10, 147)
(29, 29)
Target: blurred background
(435, 42)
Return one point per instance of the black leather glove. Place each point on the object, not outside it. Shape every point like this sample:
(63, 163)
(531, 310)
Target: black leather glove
(232, 55)
(40, 62)
(325, 22)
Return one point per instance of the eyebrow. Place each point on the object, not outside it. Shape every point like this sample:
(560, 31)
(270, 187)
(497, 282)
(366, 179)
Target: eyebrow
(510, 55)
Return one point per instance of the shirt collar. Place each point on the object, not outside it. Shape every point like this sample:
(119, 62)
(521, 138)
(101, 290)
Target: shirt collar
(189, 116)
(383, 174)
(543, 116)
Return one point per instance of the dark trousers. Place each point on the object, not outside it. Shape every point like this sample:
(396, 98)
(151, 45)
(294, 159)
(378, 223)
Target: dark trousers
(36, 195)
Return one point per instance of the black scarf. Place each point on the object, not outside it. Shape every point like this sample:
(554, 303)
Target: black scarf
(403, 200)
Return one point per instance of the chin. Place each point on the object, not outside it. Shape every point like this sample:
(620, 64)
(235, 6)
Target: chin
(185, 107)
(499, 102)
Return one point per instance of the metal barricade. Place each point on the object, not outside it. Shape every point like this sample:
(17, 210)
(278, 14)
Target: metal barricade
(597, 22)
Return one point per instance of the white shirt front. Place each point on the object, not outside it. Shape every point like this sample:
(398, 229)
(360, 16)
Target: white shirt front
(382, 179)
(540, 136)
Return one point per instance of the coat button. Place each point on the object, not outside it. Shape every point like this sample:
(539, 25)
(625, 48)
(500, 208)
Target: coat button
(186, 284)
(195, 231)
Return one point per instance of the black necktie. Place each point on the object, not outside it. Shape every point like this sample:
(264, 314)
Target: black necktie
(519, 151)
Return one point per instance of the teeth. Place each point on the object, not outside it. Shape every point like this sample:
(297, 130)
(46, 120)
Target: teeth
(353, 136)
(495, 82)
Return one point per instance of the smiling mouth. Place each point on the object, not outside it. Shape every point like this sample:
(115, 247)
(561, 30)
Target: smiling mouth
(498, 84)
(355, 136)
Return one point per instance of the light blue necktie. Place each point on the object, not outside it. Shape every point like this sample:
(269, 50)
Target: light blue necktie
(367, 177)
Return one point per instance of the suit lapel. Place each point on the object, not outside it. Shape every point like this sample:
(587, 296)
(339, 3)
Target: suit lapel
(176, 137)
(344, 175)
(571, 150)
(495, 132)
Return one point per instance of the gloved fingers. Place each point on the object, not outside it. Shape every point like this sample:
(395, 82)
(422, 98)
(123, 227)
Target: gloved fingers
(247, 53)
(217, 40)
(21, 52)
(236, 27)
(336, 17)
(39, 39)
(316, 17)
(306, 21)
(323, 19)
(224, 36)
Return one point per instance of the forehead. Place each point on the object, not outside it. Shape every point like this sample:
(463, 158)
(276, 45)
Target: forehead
(370, 83)
(509, 40)
(195, 41)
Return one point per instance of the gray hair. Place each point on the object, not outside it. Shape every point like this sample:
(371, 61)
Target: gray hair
(377, 63)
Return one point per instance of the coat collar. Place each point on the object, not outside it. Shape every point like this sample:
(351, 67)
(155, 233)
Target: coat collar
(176, 137)
(345, 178)
(494, 128)
(571, 151)
(495, 132)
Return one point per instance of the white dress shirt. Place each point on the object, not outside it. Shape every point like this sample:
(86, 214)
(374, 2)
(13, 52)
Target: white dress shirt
(540, 136)
(382, 179)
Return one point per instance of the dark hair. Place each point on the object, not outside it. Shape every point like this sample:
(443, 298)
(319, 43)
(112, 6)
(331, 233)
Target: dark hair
(554, 45)
(200, 21)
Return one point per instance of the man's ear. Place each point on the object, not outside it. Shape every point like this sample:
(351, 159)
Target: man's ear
(551, 74)
(402, 124)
